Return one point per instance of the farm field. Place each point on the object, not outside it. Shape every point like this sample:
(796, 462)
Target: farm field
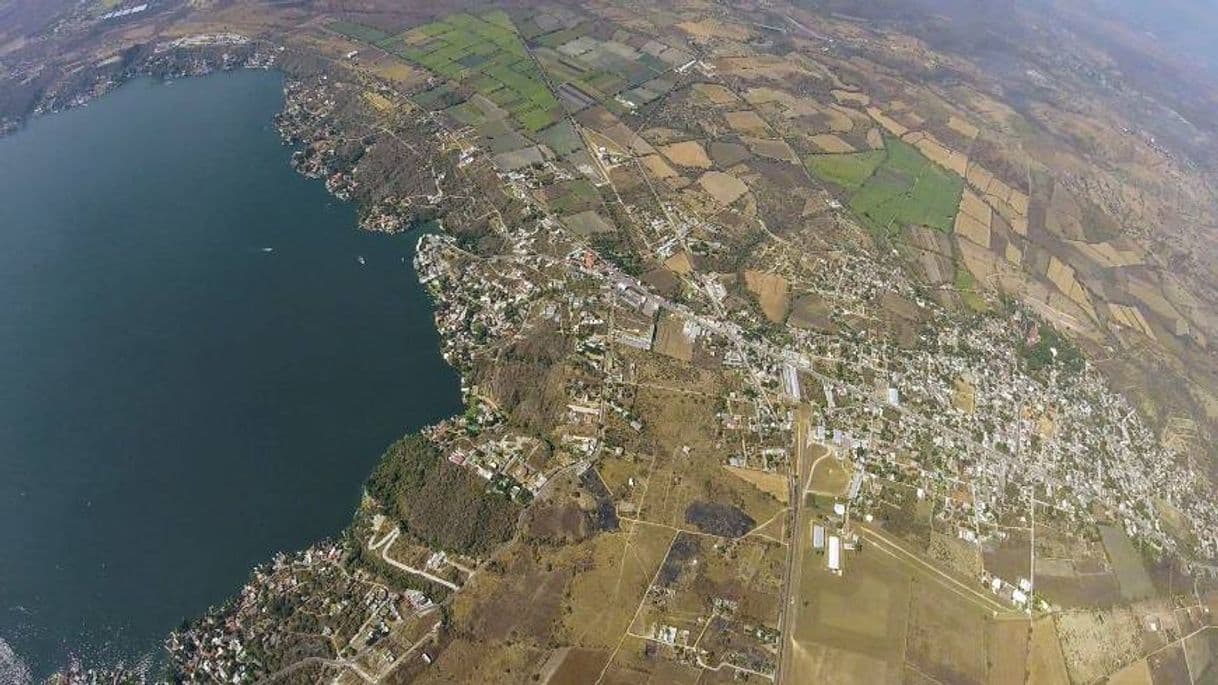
(1127, 564)
(482, 53)
(851, 628)
(848, 170)
(904, 188)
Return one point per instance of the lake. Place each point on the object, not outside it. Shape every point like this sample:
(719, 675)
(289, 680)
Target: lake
(196, 369)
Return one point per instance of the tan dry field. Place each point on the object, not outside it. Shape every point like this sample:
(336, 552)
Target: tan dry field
(1096, 643)
(746, 121)
(772, 291)
(724, 188)
(772, 149)
(1137, 673)
(578, 666)
(1006, 644)
(842, 119)
(1200, 649)
(657, 167)
(1110, 255)
(1045, 661)
(671, 339)
(792, 105)
(844, 96)
(773, 484)
(891, 125)
(678, 479)
(392, 69)
(379, 102)
(828, 142)
(626, 139)
(830, 477)
(964, 395)
(598, 139)
(640, 661)
(688, 154)
(717, 94)
(1130, 317)
(762, 67)
(962, 127)
(968, 227)
(679, 263)
(1013, 255)
(851, 628)
(946, 637)
(616, 571)
(774, 529)
(974, 206)
(1062, 275)
(710, 28)
(942, 155)
(812, 312)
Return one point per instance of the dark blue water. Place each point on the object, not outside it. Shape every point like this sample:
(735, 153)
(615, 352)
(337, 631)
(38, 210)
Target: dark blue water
(176, 403)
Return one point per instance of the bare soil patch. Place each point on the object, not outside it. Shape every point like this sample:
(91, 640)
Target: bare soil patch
(687, 154)
(772, 291)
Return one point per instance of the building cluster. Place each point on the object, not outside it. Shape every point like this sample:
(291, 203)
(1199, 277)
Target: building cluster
(309, 601)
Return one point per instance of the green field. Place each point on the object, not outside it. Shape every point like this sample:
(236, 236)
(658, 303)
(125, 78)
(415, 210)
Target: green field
(575, 196)
(481, 53)
(905, 188)
(966, 285)
(848, 170)
(366, 34)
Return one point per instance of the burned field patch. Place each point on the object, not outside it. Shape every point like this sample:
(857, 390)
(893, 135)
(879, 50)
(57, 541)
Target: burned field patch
(723, 520)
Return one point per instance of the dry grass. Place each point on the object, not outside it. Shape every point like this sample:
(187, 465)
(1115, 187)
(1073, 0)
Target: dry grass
(830, 477)
(710, 28)
(717, 94)
(773, 484)
(772, 291)
(1137, 673)
(657, 167)
(746, 121)
(964, 395)
(844, 96)
(688, 154)
(671, 339)
(616, 572)
(946, 637)
(773, 149)
(680, 263)
(1045, 661)
(1007, 651)
(968, 227)
(725, 188)
(827, 142)
(962, 127)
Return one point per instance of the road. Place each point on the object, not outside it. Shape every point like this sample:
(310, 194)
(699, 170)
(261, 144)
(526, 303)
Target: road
(966, 590)
(802, 517)
(387, 542)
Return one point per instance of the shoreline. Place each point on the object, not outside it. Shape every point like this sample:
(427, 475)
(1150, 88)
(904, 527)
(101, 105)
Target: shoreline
(157, 658)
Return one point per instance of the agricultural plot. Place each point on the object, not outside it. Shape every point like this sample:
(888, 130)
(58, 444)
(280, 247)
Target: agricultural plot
(904, 188)
(851, 628)
(849, 170)
(571, 197)
(1127, 563)
(359, 32)
(483, 53)
(589, 70)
